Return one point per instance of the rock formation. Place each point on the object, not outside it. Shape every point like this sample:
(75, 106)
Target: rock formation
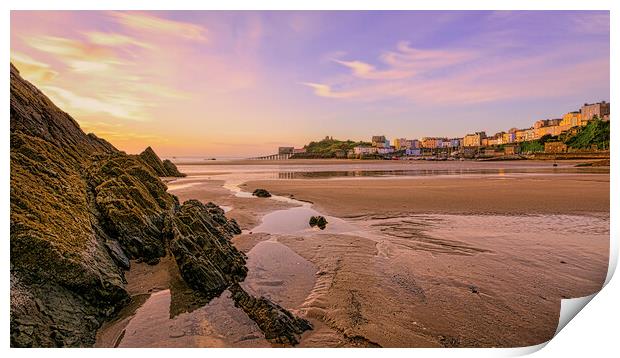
(132, 204)
(64, 282)
(278, 324)
(208, 262)
(162, 168)
(80, 210)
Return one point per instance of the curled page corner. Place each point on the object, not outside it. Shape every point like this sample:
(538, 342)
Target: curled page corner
(569, 309)
(523, 351)
(572, 306)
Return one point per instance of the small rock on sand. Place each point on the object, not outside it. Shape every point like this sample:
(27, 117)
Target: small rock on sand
(261, 193)
(319, 221)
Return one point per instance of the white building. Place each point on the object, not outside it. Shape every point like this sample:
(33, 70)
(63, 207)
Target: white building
(385, 150)
(359, 150)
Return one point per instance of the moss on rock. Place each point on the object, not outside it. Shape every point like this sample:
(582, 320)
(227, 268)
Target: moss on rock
(161, 168)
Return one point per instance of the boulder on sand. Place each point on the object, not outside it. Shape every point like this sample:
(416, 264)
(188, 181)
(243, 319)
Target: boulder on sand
(261, 193)
(319, 221)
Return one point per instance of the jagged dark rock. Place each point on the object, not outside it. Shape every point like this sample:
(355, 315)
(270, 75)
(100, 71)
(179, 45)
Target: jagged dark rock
(261, 193)
(318, 221)
(116, 251)
(133, 203)
(80, 209)
(208, 262)
(172, 169)
(278, 324)
(217, 214)
(161, 168)
(64, 282)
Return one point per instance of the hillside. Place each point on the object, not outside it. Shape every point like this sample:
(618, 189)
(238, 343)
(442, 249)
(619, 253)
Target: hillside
(595, 134)
(329, 148)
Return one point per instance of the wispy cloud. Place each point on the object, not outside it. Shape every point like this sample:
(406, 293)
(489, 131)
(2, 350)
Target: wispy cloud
(127, 109)
(158, 25)
(36, 70)
(79, 55)
(422, 60)
(458, 76)
(114, 39)
(323, 90)
(69, 47)
(406, 61)
(368, 71)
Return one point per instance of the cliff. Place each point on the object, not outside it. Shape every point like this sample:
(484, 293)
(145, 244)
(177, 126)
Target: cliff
(81, 210)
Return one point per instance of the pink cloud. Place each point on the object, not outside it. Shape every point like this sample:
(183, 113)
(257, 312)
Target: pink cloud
(458, 76)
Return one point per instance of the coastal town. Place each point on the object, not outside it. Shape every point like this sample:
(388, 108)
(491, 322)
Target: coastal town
(547, 136)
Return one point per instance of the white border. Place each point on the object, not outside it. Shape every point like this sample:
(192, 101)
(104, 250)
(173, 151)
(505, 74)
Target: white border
(593, 331)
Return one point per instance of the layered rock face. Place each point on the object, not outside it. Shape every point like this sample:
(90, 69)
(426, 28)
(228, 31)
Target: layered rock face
(63, 281)
(200, 242)
(162, 168)
(278, 324)
(132, 204)
(80, 210)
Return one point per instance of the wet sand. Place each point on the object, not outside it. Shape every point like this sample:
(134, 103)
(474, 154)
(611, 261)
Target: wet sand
(247, 211)
(511, 195)
(470, 261)
(455, 261)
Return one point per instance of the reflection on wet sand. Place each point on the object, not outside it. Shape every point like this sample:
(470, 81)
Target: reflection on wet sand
(431, 172)
(180, 317)
(278, 273)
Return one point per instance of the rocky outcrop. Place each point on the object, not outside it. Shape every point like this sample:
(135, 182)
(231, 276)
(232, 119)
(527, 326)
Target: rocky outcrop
(80, 209)
(217, 214)
(162, 168)
(278, 324)
(132, 203)
(261, 193)
(208, 262)
(63, 281)
(171, 169)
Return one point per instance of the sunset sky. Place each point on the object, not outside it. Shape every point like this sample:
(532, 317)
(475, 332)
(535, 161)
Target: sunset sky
(243, 83)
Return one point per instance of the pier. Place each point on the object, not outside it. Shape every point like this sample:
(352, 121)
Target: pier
(284, 156)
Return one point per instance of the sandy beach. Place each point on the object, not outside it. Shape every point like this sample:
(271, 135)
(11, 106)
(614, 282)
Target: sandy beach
(407, 261)
(495, 287)
(511, 195)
